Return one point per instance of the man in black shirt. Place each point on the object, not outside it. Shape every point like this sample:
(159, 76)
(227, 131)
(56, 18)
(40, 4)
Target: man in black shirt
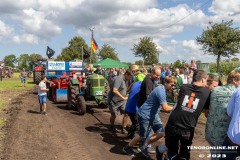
(193, 98)
(148, 85)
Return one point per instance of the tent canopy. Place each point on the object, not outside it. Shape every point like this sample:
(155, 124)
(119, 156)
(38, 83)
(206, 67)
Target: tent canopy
(110, 63)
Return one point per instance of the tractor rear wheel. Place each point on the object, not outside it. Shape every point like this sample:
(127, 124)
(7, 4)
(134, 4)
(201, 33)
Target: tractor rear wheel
(81, 105)
(73, 92)
(37, 77)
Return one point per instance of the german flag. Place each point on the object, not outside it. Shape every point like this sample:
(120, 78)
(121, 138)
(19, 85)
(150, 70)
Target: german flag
(94, 45)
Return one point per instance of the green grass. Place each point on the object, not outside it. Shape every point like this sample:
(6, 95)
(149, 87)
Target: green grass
(15, 84)
(16, 75)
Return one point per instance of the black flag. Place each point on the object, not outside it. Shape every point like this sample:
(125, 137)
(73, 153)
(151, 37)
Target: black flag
(86, 54)
(50, 52)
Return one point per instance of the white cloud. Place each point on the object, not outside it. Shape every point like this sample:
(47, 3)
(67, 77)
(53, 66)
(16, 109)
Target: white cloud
(225, 10)
(118, 23)
(25, 38)
(5, 31)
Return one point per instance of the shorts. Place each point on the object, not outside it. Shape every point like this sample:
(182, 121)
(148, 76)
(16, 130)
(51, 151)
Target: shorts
(42, 99)
(115, 107)
(145, 126)
(23, 80)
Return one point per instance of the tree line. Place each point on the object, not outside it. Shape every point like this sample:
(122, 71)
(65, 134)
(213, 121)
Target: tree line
(219, 39)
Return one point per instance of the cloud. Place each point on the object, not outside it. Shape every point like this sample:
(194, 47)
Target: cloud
(25, 38)
(5, 30)
(12, 7)
(225, 10)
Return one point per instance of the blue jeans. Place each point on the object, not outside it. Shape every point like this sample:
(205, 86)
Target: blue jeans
(145, 126)
(23, 80)
(42, 99)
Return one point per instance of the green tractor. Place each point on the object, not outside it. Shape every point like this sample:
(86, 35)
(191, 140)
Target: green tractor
(95, 88)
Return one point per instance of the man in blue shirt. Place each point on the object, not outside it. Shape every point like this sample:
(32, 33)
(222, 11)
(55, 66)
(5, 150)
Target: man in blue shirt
(233, 110)
(132, 107)
(148, 117)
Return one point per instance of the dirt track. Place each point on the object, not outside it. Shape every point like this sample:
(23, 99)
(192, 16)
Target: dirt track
(65, 135)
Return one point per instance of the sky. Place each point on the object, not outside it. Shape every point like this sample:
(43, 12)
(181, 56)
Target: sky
(29, 26)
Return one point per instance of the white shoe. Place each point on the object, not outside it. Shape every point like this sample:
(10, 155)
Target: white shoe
(162, 148)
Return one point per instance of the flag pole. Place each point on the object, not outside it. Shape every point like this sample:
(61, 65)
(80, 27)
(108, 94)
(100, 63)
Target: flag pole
(82, 53)
(91, 29)
(91, 48)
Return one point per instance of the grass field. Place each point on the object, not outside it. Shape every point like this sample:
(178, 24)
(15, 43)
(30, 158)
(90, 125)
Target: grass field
(15, 84)
(8, 85)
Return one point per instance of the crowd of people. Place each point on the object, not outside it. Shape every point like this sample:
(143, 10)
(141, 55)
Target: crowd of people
(141, 94)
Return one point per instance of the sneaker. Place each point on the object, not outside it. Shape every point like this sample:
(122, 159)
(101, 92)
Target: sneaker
(44, 113)
(159, 155)
(160, 151)
(128, 150)
(124, 131)
(113, 129)
(151, 151)
(144, 151)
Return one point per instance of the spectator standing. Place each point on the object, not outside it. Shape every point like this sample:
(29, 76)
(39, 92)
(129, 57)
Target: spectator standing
(163, 75)
(148, 85)
(217, 118)
(1, 73)
(212, 81)
(178, 85)
(23, 75)
(42, 95)
(183, 75)
(183, 119)
(148, 117)
(138, 76)
(190, 75)
(193, 65)
(233, 133)
(168, 71)
(186, 69)
(117, 97)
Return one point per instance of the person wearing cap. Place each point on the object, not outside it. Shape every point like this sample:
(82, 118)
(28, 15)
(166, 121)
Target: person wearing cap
(138, 76)
(99, 70)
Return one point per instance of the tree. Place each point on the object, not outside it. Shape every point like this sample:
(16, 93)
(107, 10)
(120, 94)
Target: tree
(33, 58)
(177, 64)
(23, 61)
(10, 60)
(108, 52)
(235, 59)
(220, 39)
(140, 63)
(146, 49)
(74, 51)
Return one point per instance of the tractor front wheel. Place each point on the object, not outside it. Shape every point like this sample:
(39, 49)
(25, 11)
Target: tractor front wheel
(81, 105)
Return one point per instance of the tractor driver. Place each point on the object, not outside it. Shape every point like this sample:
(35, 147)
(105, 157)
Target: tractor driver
(99, 70)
